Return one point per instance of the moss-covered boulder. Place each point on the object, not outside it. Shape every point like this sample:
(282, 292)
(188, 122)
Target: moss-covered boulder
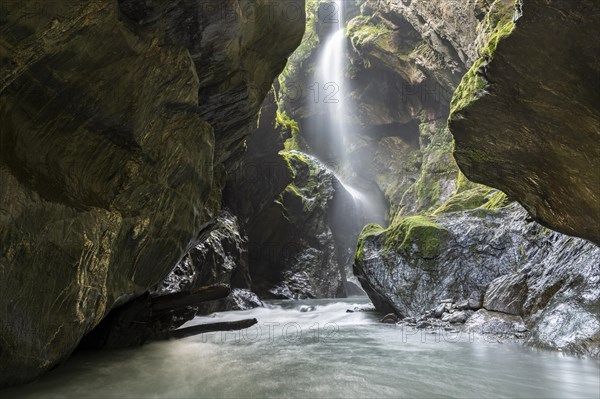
(526, 119)
(522, 267)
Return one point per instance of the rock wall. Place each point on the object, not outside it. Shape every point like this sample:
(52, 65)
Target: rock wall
(526, 117)
(293, 250)
(119, 121)
(219, 256)
(464, 237)
(301, 223)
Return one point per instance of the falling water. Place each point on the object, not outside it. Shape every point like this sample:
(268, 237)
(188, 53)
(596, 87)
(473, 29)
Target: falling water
(330, 79)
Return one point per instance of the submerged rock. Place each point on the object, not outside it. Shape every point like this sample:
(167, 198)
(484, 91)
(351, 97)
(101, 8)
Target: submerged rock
(389, 318)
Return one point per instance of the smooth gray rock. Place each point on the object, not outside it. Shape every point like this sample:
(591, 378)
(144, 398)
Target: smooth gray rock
(507, 294)
(476, 300)
(439, 310)
(423, 324)
(459, 317)
(389, 318)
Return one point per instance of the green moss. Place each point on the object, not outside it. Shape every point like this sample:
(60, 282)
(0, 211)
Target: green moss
(469, 89)
(292, 189)
(466, 200)
(498, 24)
(496, 200)
(463, 184)
(303, 194)
(284, 121)
(291, 132)
(364, 30)
(479, 197)
(367, 231)
(297, 161)
(418, 234)
(438, 166)
(370, 229)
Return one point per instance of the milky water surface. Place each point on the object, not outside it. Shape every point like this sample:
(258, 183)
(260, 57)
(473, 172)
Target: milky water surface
(315, 349)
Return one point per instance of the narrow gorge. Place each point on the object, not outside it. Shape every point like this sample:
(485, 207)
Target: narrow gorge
(320, 198)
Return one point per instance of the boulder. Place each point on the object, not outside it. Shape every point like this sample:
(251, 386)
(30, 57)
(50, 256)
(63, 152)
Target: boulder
(439, 310)
(389, 318)
(463, 305)
(423, 324)
(507, 294)
(459, 317)
(529, 127)
(476, 300)
(555, 288)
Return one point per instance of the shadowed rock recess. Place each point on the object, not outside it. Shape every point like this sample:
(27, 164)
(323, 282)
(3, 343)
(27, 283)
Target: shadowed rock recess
(119, 121)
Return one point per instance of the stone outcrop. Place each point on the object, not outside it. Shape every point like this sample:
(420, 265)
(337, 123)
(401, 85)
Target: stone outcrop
(525, 270)
(220, 256)
(119, 121)
(293, 250)
(526, 117)
(507, 294)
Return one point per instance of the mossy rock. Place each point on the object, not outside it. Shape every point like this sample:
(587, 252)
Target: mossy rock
(365, 30)
(499, 24)
(369, 230)
(525, 119)
(465, 200)
(417, 234)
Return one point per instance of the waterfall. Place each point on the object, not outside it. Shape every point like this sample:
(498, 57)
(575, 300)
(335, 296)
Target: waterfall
(330, 92)
(329, 78)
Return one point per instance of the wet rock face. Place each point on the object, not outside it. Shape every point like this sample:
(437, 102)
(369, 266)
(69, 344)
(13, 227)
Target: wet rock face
(220, 256)
(507, 294)
(107, 154)
(548, 279)
(217, 255)
(531, 129)
(293, 251)
(238, 47)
